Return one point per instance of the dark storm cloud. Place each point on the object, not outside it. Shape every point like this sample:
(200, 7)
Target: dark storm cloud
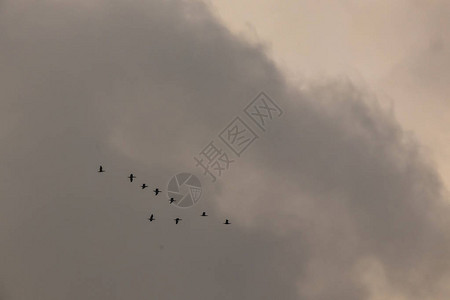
(367, 190)
(141, 87)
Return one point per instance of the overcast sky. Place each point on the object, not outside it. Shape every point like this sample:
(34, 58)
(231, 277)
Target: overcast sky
(342, 197)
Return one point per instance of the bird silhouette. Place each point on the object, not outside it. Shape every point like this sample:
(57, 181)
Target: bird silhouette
(204, 214)
(131, 177)
(100, 170)
(171, 200)
(226, 222)
(177, 220)
(156, 191)
(151, 218)
(143, 186)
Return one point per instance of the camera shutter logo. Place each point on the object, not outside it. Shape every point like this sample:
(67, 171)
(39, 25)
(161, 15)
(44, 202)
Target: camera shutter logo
(185, 188)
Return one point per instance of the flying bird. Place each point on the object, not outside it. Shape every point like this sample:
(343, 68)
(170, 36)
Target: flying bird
(171, 200)
(143, 186)
(226, 222)
(156, 191)
(100, 170)
(151, 218)
(131, 177)
(177, 220)
(204, 214)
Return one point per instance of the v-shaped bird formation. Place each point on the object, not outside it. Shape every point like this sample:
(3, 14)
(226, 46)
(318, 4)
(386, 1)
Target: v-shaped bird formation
(177, 220)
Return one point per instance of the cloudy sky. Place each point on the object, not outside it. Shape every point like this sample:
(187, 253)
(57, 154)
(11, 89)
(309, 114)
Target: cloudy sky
(342, 197)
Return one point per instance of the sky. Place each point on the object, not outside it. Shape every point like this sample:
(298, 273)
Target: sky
(342, 196)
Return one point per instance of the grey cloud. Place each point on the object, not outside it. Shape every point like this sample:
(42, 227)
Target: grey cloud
(142, 87)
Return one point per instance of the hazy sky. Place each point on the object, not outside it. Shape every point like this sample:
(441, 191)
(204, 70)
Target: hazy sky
(344, 196)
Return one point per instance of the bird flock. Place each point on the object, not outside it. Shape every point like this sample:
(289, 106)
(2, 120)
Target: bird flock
(177, 220)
